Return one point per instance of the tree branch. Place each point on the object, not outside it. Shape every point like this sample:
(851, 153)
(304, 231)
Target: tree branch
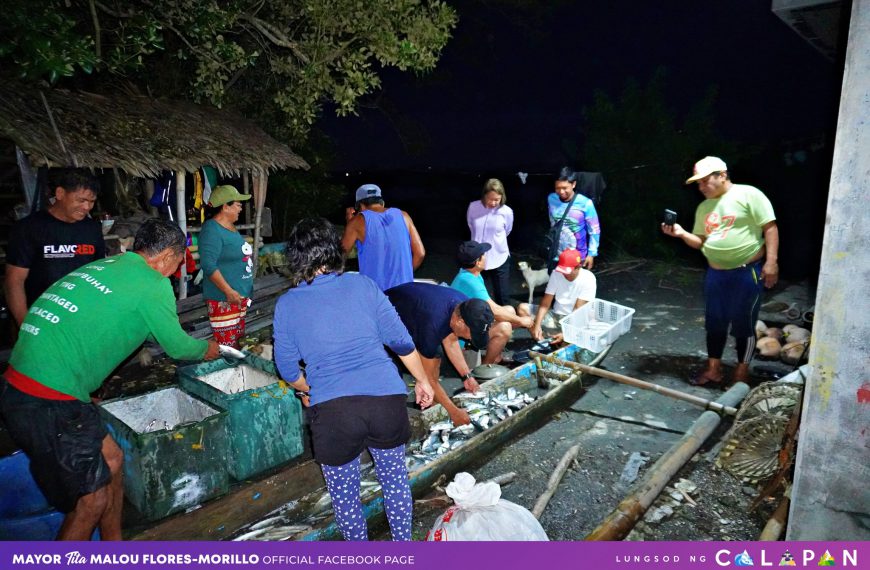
(275, 36)
(192, 47)
(98, 44)
(114, 13)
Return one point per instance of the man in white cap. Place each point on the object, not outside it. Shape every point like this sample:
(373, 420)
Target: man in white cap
(569, 288)
(735, 229)
(388, 245)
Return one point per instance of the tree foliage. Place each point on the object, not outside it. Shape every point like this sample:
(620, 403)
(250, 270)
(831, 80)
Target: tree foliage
(280, 59)
(645, 150)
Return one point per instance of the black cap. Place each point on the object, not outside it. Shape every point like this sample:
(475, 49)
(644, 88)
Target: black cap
(470, 251)
(478, 316)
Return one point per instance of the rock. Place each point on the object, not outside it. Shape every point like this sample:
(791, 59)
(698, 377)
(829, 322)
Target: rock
(686, 485)
(751, 491)
(659, 514)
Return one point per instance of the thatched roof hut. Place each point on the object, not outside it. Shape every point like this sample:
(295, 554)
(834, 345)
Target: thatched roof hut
(137, 134)
(143, 137)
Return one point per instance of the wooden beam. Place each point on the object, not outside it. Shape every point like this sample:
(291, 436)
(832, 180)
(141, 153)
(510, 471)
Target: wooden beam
(222, 517)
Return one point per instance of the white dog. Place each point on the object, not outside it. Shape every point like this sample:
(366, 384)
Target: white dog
(533, 277)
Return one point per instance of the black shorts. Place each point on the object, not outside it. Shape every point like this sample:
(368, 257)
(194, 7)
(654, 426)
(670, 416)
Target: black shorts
(63, 440)
(342, 428)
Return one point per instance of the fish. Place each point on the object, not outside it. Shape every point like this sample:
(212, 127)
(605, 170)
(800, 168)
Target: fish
(445, 436)
(252, 535)
(471, 395)
(441, 426)
(465, 430)
(266, 522)
(432, 443)
(285, 532)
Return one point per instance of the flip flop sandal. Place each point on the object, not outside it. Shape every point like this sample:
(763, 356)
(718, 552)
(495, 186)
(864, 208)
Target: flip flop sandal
(701, 379)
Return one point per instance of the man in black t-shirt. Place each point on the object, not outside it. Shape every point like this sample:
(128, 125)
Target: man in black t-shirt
(46, 245)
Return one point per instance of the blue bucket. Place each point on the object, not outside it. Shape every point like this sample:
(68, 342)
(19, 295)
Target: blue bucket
(24, 512)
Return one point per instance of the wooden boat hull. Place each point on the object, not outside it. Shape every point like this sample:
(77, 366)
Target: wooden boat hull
(224, 517)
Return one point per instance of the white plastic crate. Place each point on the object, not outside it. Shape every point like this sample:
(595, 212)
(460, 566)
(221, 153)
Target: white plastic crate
(596, 325)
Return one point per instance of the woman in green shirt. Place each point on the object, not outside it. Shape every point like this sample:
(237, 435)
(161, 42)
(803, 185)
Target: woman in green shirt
(228, 264)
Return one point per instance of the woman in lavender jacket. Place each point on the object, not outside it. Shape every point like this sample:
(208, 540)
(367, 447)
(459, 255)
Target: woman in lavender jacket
(490, 221)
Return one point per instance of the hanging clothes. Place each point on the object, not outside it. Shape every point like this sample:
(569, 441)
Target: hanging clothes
(210, 176)
(198, 188)
(162, 190)
(591, 185)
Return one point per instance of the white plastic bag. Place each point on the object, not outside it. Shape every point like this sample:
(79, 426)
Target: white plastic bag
(481, 514)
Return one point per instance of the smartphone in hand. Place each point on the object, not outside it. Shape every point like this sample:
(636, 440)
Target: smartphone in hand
(669, 218)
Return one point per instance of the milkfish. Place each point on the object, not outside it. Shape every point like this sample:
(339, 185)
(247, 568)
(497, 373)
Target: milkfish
(484, 410)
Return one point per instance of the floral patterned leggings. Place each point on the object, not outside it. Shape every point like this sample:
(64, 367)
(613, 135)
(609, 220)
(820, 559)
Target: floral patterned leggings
(343, 484)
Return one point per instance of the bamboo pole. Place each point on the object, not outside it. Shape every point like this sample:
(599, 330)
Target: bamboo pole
(623, 518)
(776, 523)
(555, 478)
(181, 214)
(676, 394)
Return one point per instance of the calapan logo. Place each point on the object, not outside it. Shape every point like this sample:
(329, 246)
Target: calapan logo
(804, 558)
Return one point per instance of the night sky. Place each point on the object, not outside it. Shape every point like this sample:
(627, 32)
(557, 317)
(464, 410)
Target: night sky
(513, 81)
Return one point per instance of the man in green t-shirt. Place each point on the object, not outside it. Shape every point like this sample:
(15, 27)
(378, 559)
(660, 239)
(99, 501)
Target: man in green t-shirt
(735, 228)
(73, 336)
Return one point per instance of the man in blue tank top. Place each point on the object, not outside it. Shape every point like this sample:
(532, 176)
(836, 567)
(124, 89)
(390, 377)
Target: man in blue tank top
(388, 245)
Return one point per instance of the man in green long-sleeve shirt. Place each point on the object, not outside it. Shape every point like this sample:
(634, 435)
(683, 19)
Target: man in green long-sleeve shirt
(74, 335)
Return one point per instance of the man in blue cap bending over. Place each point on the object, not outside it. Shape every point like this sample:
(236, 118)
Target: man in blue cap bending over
(389, 247)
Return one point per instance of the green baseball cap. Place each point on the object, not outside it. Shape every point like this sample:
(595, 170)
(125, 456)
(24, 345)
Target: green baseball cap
(225, 194)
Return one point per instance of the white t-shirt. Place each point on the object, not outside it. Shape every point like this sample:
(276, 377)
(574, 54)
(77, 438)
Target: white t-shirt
(565, 293)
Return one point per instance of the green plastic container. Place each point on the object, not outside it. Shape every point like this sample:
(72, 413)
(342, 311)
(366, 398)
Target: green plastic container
(175, 450)
(265, 417)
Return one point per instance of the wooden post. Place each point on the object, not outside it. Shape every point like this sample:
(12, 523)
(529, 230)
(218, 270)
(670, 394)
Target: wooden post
(261, 182)
(181, 214)
(149, 192)
(246, 189)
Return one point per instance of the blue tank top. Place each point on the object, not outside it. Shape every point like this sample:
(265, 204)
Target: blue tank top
(385, 256)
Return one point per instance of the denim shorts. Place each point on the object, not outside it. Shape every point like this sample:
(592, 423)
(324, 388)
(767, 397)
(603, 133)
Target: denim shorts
(63, 440)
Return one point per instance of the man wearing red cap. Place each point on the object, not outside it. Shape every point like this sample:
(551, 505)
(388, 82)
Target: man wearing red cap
(569, 288)
(735, 229)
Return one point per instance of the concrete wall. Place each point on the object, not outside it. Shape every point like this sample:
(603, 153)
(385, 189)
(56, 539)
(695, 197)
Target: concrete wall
(831, 493)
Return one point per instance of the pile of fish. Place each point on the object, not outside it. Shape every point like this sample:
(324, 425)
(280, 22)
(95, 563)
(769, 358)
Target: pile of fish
(485, 411)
